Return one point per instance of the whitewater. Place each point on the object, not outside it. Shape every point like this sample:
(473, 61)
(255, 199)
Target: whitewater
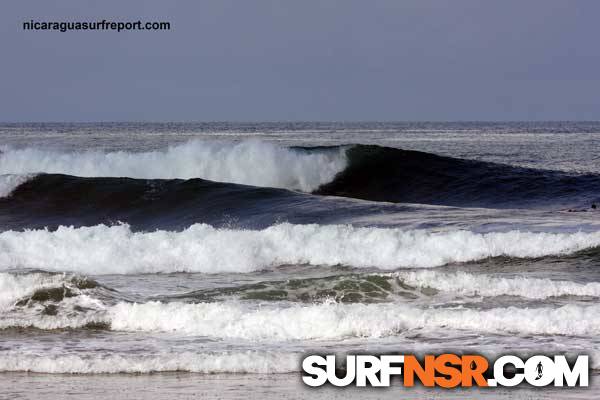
(202, 248)
(248, 162)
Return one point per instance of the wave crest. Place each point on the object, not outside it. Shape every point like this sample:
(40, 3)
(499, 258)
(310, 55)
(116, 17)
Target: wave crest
(250, 162)
(234, 320)
(485, 285)
(116, 249)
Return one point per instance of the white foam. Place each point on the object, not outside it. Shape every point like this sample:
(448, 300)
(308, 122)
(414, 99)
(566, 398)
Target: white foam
(252, 362)
(9, 182)
(329, 321)
(16, 286)
(485, 285)
(201, 248)
(336, 321)
(67, 316)
(248, 162)
(292, 321)
(238, 362)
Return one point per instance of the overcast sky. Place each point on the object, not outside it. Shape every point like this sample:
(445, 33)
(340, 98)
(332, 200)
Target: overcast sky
(251, 60)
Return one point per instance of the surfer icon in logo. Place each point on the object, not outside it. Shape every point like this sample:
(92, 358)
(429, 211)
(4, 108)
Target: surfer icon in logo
(539, 369)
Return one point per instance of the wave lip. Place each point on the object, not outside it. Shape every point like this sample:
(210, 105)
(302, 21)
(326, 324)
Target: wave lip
(250, 162)
(9, 182)
(116, 249)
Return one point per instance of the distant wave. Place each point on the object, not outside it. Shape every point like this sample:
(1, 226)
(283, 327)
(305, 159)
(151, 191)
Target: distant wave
(358, 171)
(249, 162)
(202, 248)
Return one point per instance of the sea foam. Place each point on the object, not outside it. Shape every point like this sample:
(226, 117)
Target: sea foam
(231, 362)
(16, 286)
(467, 284)
(325, 321)
(116, 249)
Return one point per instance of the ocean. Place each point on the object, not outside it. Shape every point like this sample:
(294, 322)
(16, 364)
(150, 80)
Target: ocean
(149, 260)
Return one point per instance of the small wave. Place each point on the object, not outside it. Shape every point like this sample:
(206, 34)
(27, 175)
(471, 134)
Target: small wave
(335, 321)
(485, 285)
(233, 362)
(345, 288)
(38, 286)
(116, 249)
(70, 312)
(249, 162)
(234, 320)
(250, 362)
(404, 285)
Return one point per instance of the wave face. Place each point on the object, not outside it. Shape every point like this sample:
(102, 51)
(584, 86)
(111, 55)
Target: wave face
(202, 248)
(395, 175)
(249, 162)
(49, 200)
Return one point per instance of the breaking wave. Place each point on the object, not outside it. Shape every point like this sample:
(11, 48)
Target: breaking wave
(116, 249)
(9, 182)
(467, 284)
(234, 320)
(249, 162)
(357, 171)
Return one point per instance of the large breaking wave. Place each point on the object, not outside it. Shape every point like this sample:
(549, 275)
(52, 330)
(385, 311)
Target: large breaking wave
(202, 248)
(249, 162)
(359, 171)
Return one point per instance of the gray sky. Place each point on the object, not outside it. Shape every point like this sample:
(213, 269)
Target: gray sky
(251, 60)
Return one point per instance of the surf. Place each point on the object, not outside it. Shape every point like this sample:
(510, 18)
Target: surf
(203, 248)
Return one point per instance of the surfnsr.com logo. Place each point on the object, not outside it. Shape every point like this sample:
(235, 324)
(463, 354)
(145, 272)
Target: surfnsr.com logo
(446, 371)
